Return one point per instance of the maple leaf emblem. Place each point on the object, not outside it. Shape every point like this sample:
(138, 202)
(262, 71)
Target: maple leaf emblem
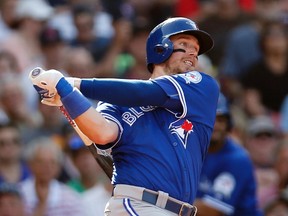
(187, 126)
(182, 129)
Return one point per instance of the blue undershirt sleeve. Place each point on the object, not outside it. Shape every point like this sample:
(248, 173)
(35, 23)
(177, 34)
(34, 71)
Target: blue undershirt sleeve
(124, 92)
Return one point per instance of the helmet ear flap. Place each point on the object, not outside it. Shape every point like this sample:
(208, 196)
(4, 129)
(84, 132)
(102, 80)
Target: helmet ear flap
(160, 52)
(163, 50)
(159, 49)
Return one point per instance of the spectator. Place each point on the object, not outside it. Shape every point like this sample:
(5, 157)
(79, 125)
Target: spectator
(7, 18)
(12, 167)
(63, 20)
(245, 38)
(68, 169)
(262, 142)
(14, 103)
(265, 82)
(227, 15)
(53, 48)
(11, 202)
(8, 67)
(278, 207)
(91, 183)
(132, 61)
(78, 62)
(227, 183)
(24, 42)
(242, 39)
(123, 35)
(43, 194)
(156, 10)
(51, 121)
(8, 64)
(83, 18)
(262, 128)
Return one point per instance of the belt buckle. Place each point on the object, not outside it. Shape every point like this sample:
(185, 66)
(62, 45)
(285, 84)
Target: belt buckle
(191, 211)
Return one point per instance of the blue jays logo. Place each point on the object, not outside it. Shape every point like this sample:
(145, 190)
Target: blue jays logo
(181, 128)
(193, 76)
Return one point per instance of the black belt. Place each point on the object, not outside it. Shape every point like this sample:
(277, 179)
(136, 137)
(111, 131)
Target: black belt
(181, 209)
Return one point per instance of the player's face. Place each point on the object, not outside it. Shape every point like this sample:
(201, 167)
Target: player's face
(220, 129)
(185, 55)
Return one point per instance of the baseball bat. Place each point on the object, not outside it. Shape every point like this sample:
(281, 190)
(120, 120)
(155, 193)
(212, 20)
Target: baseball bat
(105, 162)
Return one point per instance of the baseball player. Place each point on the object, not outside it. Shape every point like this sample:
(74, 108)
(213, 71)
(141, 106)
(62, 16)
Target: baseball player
(157, 130)
(227, 184)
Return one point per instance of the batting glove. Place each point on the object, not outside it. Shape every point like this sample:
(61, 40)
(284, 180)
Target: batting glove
(45, 84)
(54, 101)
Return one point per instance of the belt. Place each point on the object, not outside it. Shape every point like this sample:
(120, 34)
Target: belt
(179, 208)
(173, 205)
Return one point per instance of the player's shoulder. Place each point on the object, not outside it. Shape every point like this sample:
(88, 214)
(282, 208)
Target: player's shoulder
(237, 151)
(195, 77)
(191, 77)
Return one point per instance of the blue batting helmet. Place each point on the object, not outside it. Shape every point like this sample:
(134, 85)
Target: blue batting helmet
(222, 106)
(223, 109)
(159, 47)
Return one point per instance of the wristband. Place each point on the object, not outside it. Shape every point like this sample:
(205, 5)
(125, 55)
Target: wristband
(75, 103)
(64, 87)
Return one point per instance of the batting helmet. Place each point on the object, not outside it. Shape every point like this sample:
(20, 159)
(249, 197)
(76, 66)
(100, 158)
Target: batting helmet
(223, 109)
(222, 106)
(159, 47)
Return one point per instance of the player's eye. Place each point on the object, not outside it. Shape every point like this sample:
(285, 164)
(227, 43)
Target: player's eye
(183, 44)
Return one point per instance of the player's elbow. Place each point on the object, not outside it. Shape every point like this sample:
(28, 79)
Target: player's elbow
(104, 139)
(105, 136)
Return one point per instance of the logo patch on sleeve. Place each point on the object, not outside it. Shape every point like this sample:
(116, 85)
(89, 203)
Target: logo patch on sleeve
(224, 184)
(193, 76)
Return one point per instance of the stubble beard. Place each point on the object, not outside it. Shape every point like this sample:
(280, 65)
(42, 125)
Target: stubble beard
(176, 69)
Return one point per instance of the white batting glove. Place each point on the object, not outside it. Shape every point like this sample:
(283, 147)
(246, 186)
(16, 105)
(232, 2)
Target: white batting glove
(45, 84)
(53, 101)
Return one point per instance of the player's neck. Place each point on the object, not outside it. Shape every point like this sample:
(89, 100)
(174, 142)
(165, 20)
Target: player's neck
(157, 73)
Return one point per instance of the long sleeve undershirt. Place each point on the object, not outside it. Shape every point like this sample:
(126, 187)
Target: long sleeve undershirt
(124, 92)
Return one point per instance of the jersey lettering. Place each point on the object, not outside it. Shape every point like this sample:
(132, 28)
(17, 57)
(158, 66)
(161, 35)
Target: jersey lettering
(136, 113)
(133, 114)
(129, 118)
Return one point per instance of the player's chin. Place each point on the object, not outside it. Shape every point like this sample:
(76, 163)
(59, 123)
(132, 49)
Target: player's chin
(186, 68)
(189, 68)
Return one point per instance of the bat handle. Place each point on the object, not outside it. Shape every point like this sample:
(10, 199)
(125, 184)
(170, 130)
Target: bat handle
(84, 138)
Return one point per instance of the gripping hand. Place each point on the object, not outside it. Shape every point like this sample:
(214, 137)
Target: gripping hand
(45, 84)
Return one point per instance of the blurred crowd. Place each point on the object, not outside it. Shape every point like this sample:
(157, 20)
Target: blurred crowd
(40, 152)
